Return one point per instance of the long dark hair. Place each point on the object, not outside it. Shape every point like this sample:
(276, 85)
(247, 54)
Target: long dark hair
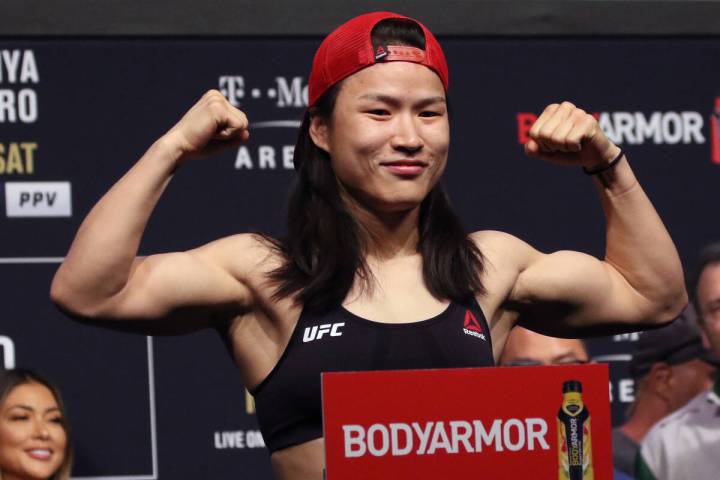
(9, 380)
(324, 248)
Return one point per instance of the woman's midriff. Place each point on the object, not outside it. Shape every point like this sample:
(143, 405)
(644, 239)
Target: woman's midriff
(300, 462)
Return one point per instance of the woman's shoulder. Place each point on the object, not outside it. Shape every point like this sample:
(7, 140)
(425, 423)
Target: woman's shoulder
(491, 238)
(245, 254)
(504, 254)
(494, 243)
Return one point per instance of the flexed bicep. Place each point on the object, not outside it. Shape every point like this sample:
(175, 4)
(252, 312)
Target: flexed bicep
(569, 293)
(171, 292)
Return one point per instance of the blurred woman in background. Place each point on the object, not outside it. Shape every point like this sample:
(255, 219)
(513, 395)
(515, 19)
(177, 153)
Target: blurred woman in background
(34, 437)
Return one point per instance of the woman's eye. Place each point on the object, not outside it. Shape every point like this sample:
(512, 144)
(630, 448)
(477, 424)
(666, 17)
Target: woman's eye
(378, 111)
(57, 420)
(17, 418)
(429, 113)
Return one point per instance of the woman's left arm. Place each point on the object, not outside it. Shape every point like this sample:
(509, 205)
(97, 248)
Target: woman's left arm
(640, 280)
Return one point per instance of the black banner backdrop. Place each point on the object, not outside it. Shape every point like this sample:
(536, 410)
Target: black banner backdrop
(76, 114)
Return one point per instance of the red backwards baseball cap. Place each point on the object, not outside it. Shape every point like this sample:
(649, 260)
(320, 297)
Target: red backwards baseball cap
(349, 49)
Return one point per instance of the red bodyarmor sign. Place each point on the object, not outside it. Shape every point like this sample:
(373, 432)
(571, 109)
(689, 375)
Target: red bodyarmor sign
(489, 423)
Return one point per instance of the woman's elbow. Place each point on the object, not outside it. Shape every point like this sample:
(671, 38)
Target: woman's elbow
(71, 301)
(670, 305)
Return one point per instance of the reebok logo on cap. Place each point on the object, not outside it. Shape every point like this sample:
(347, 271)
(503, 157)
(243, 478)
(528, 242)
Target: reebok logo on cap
(380, 53)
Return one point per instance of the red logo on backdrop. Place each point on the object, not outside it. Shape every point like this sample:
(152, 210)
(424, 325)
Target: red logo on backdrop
(715, 132)
(525, 121)
(471, 322)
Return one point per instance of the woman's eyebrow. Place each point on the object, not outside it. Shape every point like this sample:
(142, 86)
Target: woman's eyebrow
(380, 97)
(431, 101)
(23, 407)
(31, 409)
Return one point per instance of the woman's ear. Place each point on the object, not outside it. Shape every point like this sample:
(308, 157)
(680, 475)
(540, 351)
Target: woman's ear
(319, 132)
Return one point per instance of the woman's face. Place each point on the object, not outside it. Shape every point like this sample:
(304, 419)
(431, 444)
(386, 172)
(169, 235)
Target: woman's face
(32, 436)
(389, 135)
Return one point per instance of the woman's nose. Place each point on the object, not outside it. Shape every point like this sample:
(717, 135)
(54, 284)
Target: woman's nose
(406, 136)
(41, 430)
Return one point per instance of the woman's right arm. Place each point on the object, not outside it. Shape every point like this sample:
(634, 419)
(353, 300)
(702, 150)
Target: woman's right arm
(102, 279)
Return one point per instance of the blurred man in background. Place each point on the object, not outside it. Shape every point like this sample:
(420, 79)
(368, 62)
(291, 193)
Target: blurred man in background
(670, 366)
(685, 444)
(525, 347)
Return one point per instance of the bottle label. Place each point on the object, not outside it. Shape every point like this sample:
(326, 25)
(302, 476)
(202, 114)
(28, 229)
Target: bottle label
(574, 444)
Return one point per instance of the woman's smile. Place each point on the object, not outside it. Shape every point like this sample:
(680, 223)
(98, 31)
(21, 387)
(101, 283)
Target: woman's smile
(405, 168)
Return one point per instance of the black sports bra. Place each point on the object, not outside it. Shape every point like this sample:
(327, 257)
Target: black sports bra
(288, 401)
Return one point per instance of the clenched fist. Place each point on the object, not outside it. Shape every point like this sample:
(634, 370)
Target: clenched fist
(567, 135)
(210, 125)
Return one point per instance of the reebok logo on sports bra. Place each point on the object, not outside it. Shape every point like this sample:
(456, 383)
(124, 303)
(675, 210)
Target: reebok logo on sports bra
(471, 326)
(316, 333)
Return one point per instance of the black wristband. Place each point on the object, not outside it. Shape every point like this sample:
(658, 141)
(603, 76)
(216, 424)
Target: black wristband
(604, 168)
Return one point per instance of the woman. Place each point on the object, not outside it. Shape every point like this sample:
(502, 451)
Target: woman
(375, 266)
(34, 439)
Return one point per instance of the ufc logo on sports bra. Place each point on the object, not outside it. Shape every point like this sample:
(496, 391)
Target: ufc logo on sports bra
(316, 333)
